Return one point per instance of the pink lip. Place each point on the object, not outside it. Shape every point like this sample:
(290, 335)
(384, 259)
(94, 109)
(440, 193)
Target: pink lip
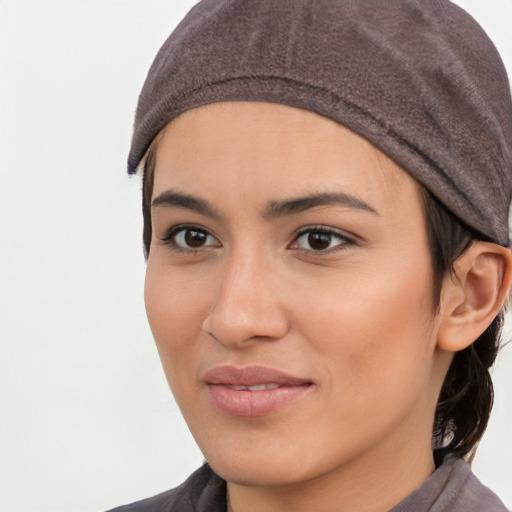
(224, 383)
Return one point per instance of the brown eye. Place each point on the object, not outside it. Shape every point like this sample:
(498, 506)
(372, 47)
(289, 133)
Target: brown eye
(320, 239)
(195, 238)
(190, 238)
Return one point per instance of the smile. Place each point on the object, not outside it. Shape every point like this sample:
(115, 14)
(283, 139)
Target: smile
(256, 387)
(253, 391)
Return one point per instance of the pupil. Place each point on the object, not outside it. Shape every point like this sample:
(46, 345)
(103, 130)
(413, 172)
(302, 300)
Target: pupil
(319, 241)
(195, 238)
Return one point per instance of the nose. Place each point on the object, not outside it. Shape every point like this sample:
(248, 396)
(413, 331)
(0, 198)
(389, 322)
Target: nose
(246, 305)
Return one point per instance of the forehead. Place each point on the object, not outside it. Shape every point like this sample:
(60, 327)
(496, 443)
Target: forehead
(234, 149)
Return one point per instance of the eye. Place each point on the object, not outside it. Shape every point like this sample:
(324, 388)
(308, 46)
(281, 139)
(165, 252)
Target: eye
(189, 238)
(319, 239)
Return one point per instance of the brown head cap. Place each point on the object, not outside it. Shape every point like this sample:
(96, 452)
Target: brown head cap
(419, 79)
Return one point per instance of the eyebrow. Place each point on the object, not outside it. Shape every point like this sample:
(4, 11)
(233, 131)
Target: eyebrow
(273, 210)
(277, 209)
(173, 199)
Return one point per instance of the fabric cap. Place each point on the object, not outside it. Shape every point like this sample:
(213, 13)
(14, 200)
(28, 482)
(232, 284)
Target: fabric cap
(419, 79)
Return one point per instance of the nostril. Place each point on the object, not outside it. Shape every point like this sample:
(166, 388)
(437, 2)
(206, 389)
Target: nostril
(237, 329)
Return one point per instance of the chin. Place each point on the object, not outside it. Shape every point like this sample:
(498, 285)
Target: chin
(260, 473)
(260, 460)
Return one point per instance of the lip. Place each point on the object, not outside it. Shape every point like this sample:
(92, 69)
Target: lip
(229, 393)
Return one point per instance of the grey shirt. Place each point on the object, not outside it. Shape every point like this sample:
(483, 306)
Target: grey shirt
(452, 488)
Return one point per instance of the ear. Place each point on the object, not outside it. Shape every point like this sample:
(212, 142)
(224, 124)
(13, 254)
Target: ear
(474, 294)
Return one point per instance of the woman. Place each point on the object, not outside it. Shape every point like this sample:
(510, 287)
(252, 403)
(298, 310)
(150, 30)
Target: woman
(326, 193)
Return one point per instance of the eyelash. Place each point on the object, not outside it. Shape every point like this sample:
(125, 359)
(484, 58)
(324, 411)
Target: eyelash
(170, 239)
(333, 234)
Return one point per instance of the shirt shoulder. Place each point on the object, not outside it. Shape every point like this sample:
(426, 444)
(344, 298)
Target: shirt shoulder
(452, 488)
(203, 491)
(475, 496)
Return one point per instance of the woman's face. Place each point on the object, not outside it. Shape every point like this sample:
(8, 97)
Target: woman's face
(289, 291)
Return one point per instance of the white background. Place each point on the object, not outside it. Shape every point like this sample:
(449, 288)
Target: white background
(86, 420)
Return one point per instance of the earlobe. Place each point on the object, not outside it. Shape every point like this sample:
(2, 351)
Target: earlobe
(474, 294)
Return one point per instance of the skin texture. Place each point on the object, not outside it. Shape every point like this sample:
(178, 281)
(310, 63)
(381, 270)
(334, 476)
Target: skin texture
(356, 320)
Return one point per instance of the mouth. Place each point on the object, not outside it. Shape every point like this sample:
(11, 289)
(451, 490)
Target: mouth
(253, 391)
(256, 387)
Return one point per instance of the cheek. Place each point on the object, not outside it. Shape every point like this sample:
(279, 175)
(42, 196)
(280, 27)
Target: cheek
(376, 329)
(176, 306)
